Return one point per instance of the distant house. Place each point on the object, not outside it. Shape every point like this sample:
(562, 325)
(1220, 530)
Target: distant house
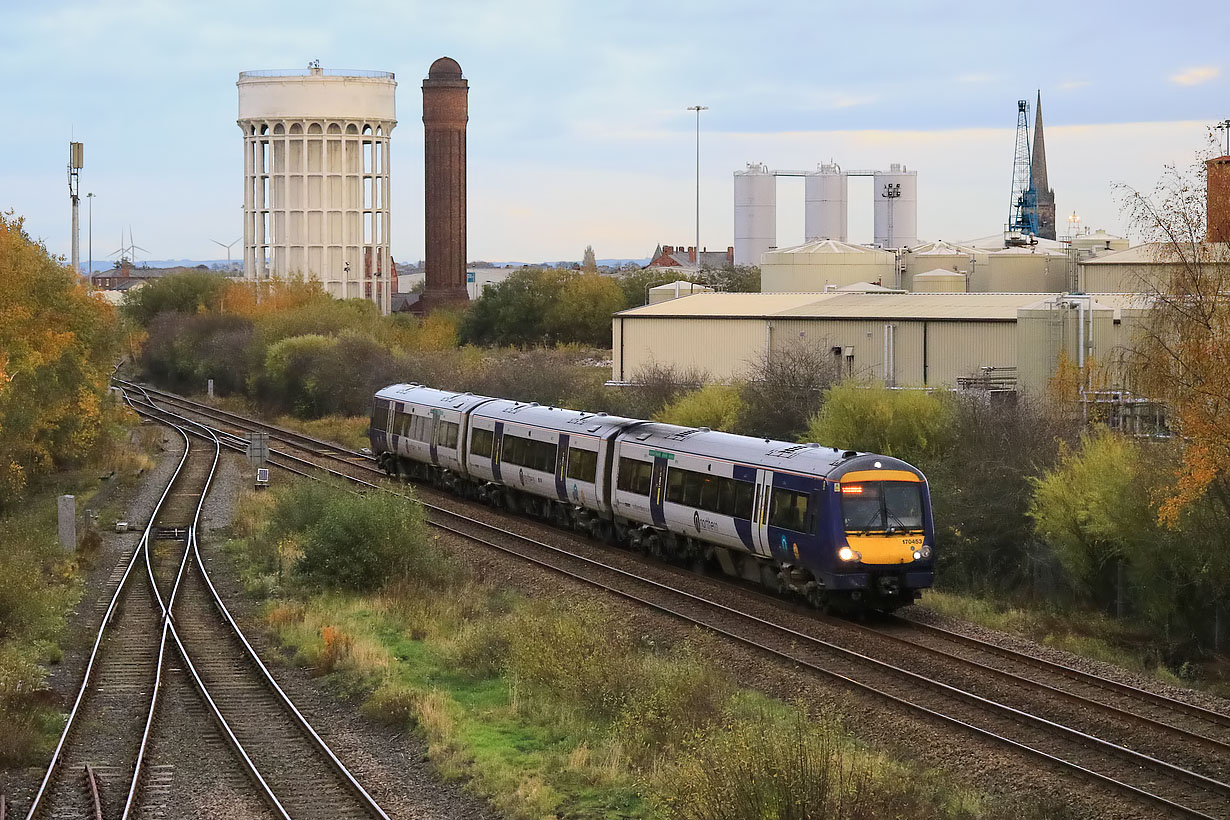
(669, 256)
(122, 277)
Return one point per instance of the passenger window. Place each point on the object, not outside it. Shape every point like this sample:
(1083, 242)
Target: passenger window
(691, 488)
(788, 510)
(480, 443)
(709, 494)
(582, 464)
(674, 485)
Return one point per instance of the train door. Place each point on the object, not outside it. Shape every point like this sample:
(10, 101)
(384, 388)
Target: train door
(760, 512)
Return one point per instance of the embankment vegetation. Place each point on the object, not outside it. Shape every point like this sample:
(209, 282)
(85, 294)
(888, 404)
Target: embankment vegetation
(59, 431)
(552, 707)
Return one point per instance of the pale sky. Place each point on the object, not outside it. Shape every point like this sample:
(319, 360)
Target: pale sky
(579, 132)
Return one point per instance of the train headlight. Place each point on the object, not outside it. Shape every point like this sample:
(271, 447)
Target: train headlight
(922, 553)
(847, 554)
(917, 555)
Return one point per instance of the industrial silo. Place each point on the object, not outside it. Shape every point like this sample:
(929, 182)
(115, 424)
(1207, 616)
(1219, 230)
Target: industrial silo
(825, 263)
(896, 207)
(940, 255)
(316, 178)
(1022, 270)
(755, 213)
(938, 281)
(826, 192)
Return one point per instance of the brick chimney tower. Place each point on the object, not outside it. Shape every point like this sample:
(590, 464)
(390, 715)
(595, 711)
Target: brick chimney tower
(445, 113)
(1218, 200)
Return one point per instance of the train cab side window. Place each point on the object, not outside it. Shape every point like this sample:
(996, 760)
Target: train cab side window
(481, 441)
(380, 415)
(788, 510)
(745, 493)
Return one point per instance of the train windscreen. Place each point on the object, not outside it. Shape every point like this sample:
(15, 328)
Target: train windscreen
(882, 506)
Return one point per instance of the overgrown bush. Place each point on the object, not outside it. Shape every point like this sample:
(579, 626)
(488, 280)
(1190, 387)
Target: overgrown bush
(189, 293)
(577, 656)
(769, 766)
(785, 389)
(913, 425)
(543, 307)
(350, 541)
(716, 406)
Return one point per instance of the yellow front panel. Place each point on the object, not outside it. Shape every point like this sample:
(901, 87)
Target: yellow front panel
(858, 476)
(885, 549)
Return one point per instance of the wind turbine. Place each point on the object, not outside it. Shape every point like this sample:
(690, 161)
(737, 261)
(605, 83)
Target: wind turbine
(228, 250)
(133, 247)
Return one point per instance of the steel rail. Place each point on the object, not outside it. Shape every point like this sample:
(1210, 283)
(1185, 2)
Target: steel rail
(368, 801)
(162, 646)
(1195, 710)
(1201, 781)
(57, 755)
(168, 629)
(1215, 743)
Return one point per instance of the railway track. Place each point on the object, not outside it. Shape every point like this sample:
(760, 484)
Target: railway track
(102, 734)
(164, 609)
(1163, 752)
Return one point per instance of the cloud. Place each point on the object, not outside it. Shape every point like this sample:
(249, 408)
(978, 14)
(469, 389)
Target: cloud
(1070, 85)
(1196, 75)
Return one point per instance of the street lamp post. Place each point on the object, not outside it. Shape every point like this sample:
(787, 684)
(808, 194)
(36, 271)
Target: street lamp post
(698, 109)
(90, 199)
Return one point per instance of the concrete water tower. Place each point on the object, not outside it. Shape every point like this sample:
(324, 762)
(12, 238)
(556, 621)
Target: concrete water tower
(316, 178)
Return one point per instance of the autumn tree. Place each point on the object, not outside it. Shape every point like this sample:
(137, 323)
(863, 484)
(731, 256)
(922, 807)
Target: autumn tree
(544, 306)
(57, 347)
(1182, 353)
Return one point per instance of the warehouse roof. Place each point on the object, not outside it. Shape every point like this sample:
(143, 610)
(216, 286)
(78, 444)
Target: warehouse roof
(838, 305)
(832, 246)
(996, 242)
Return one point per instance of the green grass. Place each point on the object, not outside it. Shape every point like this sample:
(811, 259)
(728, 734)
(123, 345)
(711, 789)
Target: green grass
(554, 710)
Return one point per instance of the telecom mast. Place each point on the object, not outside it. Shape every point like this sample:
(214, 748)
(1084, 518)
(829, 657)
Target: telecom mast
(1022, 215)
(76, 155)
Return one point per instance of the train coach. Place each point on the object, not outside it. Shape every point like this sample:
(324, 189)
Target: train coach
(843, 529)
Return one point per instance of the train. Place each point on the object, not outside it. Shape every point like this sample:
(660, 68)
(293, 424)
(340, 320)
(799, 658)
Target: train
(844, 530)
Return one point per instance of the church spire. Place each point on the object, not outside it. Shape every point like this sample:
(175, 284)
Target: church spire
(1037, 169)
(1044, 197)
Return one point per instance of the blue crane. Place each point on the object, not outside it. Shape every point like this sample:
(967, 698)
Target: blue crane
(1022, 210)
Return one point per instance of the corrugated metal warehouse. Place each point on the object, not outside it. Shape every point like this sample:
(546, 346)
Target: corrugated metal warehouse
(915, 339)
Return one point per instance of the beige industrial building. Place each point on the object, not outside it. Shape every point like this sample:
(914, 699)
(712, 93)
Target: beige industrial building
(1009, 340)
(675, 290)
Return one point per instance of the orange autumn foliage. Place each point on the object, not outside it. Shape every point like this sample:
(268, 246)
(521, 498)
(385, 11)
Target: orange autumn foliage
(1183, 353)
(58, 344)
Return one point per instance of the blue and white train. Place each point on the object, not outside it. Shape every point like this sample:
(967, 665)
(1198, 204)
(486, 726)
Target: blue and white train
(843, 529)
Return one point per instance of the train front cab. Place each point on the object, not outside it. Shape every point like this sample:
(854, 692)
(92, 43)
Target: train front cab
(880, 522)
